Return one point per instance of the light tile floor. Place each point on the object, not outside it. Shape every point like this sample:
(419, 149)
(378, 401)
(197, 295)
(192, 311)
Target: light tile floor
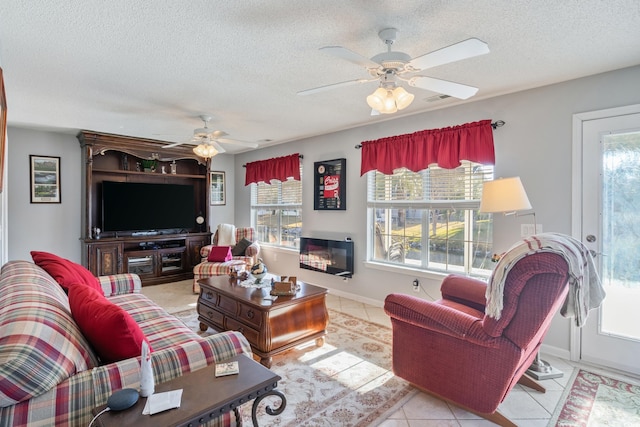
(526, 407)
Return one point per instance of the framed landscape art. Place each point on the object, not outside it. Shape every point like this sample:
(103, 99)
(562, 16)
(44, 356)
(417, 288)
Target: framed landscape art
(45, 179)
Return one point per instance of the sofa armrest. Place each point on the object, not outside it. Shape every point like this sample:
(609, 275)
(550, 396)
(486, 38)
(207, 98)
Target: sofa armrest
(437, 317)
(204, 252)
(119, 284)
(169, 363)
(253, 250)
(465, 290)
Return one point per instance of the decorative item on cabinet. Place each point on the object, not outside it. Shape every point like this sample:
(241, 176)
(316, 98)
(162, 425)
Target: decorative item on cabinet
(149, 165)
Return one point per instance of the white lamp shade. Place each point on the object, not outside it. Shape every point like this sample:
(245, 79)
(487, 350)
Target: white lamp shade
(403, 98)
(504, 195)
(376, 99)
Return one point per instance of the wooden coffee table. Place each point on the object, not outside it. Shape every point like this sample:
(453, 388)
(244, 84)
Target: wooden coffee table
(204, 397)
(270, 324)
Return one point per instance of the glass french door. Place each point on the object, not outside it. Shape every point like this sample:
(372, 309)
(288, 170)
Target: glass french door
(610, 226)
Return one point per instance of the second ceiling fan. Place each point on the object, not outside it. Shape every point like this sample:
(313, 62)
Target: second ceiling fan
(392, 67)
(207, 136)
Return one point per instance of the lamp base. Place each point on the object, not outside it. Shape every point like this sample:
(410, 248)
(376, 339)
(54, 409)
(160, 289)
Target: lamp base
(541, 370)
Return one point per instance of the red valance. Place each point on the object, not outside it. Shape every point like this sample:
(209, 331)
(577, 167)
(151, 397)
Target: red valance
(279, 168)
(445, 147)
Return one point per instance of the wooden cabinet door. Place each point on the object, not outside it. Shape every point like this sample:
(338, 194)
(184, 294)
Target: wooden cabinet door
(105, 259)
(194, 244)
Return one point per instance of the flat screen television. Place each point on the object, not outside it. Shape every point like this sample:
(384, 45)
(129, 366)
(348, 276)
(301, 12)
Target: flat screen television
(327, 256)
(136, 206)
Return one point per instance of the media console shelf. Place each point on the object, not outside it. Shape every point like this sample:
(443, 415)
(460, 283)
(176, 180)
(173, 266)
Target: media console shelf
(156, 257)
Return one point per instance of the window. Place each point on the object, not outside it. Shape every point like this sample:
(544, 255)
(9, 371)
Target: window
(276, 212)
(429, 219)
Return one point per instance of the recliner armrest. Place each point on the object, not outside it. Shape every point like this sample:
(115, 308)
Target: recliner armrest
(437, 317)
(464, 290)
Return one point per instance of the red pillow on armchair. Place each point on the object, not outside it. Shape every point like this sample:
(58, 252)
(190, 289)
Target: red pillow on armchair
(220, 254)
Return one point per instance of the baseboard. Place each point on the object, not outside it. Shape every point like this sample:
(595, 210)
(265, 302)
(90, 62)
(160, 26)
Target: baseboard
(355, 297)
(556, 351)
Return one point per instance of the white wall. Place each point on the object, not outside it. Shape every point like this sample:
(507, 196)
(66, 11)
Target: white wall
(52, 227)
(535, 144)
(219, 214)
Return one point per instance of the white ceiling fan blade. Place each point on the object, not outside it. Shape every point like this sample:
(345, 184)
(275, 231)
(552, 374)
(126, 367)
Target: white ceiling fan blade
(334, 86)
(237, 142)
(217, 134)
(456, 90)
(350, 56)
(175, 144)
(218, 147)
(462, 50)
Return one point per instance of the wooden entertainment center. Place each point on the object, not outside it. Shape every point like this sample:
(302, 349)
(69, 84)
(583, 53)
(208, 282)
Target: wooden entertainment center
(156, 256)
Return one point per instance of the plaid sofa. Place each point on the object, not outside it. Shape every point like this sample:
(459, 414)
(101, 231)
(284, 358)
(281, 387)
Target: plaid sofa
(49, 374)
(207, 269)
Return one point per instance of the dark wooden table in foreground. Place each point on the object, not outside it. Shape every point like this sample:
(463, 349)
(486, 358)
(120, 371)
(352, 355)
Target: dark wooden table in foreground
(204, 397)
(270, 324)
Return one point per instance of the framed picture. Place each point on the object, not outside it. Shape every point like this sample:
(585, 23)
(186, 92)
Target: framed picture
(45, 179)
(218, 189)
(330, 185)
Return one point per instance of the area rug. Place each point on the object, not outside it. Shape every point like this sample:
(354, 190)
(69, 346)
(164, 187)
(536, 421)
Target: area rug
(598, 400)
(346, 382)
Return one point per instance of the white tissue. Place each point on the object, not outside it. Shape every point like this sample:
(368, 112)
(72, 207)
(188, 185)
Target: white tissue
(162, 401)
(147, 385)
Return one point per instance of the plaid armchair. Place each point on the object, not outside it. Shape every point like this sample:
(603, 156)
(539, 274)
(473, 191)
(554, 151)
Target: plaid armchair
(246, 256)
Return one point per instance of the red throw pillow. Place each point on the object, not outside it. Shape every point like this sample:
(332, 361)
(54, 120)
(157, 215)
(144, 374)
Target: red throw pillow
(220, 254)
(65, 272)
(111, 330)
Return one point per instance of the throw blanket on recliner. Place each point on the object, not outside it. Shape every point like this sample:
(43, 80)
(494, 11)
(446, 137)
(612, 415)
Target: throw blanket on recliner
(585, 289)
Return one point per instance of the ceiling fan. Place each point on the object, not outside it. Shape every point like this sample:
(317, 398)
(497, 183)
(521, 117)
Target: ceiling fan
(207, 136)
(392, 67)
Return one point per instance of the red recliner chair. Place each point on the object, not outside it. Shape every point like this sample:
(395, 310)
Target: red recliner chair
(452, 350)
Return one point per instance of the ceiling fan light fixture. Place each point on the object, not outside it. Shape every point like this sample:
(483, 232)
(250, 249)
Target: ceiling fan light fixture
(206, 151)
(388, 100)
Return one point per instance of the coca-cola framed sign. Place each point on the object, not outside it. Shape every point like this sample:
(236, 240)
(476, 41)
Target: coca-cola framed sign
(330, 185)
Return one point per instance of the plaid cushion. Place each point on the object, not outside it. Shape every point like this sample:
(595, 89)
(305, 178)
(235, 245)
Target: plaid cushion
(208, 269)
(41, 345)
(118, 284)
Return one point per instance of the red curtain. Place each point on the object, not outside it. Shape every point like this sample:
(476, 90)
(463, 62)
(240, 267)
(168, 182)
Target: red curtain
(279, 168)
(444, 147)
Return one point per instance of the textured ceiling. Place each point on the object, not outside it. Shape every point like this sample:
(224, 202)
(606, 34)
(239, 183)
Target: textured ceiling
(150, 68)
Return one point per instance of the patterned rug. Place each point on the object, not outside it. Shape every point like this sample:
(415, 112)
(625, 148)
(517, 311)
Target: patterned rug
(347, 382)
(597, 400)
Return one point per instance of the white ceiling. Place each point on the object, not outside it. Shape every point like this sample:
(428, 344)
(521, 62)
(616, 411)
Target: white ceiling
(150, 68)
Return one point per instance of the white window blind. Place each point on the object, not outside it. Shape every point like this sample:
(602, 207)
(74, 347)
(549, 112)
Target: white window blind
(429, 219)
(276, 211)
